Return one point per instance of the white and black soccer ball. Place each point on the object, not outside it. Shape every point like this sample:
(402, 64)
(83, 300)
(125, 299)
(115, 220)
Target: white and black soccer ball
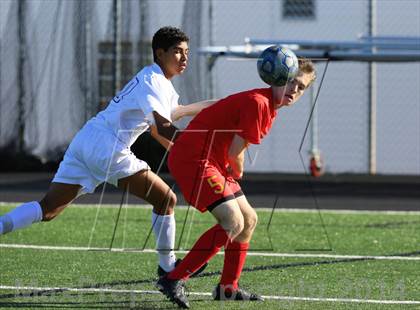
(277, 65)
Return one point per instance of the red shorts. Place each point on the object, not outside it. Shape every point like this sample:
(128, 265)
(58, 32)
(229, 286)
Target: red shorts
(202, 183)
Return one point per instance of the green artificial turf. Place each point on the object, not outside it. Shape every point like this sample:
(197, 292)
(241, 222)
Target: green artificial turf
(331, 233)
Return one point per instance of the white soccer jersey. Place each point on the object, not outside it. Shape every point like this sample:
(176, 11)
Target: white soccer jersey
(129, 113)
(100, 152)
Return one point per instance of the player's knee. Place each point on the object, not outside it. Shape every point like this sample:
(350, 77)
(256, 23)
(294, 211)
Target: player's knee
(165, 206)
(49, 210)
(172, 200)
(48, 216)
(235, 226)
(250, 221)
(240, 225)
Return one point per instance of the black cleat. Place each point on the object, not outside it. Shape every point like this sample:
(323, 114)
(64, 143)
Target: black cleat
(174, 290)
(239, 294)
(161, 272)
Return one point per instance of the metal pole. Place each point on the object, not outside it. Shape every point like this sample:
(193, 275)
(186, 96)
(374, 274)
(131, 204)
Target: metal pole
(21, 76)
(117, 45)
(314, 123)
(89, 71)
(144, 47)
(372, 92)
(210, 63)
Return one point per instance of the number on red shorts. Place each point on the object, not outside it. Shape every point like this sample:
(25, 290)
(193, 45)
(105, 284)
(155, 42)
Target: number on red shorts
(219, 186)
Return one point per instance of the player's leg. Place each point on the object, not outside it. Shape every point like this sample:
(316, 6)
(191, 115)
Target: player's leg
(147, 185)
(235, 256)
(204, 188)
(250, 220)
(210, 191)
(57, 198)
(230, 224)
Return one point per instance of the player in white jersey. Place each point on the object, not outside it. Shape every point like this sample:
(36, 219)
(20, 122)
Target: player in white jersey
(100, 151)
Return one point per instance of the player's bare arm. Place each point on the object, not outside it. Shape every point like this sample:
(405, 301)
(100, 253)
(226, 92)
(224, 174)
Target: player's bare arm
(236, 156)
(162, 140)
(164, 130)
(191, 109)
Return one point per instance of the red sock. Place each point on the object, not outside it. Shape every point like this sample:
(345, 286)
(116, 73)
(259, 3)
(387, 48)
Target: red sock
(203, 250)
(235, 255)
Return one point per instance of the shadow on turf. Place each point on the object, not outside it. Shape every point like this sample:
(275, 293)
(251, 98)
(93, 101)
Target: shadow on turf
(72, 305)
(59, 305)
(121, 304)
(204, 274)
(389, 225)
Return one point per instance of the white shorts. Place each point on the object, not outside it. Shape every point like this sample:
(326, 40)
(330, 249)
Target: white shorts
(96, 156)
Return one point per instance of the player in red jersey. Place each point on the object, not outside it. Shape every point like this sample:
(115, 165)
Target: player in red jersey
(206, 161)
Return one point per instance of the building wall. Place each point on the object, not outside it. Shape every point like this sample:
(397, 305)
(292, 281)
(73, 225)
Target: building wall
(343, 101)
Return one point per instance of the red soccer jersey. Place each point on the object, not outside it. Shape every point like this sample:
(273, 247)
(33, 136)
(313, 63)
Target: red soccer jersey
(249, 114)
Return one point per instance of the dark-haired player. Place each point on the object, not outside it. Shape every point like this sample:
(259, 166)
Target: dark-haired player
(100, 151)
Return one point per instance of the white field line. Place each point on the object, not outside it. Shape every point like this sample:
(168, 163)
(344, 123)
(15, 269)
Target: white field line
(258, 254)
(285, 298)
(280, 210)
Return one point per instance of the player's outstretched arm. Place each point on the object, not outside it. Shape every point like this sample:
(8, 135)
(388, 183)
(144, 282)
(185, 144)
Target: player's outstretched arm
(236, 156)
(190, 109)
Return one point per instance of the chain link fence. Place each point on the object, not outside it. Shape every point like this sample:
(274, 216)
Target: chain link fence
(57, 69)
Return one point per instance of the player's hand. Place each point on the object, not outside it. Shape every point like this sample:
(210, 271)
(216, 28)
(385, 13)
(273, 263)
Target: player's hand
(237, 176)
(233, 174)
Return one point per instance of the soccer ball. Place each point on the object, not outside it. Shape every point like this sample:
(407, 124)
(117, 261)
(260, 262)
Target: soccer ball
(277, 65)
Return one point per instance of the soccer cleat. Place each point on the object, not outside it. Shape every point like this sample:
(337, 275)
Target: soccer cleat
(161, 272)
(174, 290)
(239, 294)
